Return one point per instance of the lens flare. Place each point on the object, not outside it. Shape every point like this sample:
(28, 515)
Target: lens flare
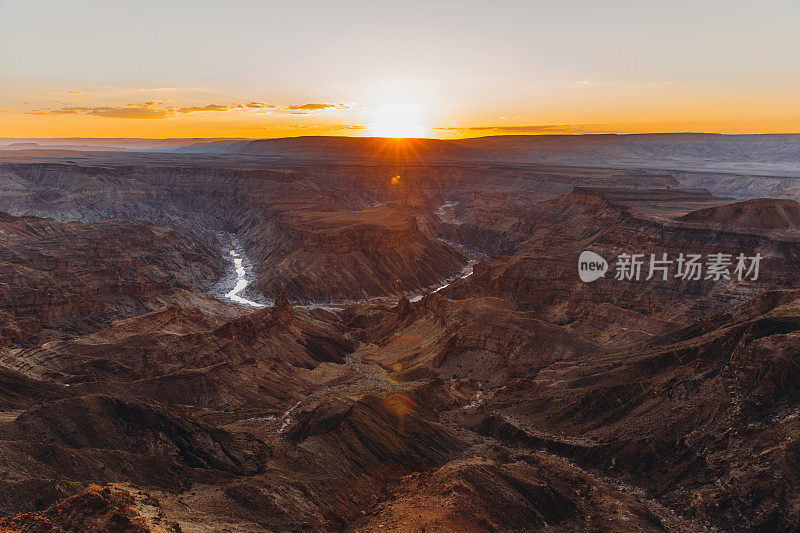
(400, 404)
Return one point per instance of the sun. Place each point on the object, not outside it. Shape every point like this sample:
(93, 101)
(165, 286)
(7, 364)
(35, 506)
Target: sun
(397, 120)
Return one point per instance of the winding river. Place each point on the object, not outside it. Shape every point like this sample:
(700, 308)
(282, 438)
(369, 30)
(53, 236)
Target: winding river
(242, 281)
(465, 273)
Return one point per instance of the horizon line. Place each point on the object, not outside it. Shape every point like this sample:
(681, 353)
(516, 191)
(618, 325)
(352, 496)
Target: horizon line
(586, 134)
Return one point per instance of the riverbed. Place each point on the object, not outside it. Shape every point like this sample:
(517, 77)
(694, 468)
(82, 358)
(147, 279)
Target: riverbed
(243, 279)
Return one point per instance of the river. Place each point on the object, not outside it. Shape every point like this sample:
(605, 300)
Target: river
(241, 278)
(242, 281)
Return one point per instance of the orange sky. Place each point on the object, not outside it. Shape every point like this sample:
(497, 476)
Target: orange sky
(772, 113)
(445, 69)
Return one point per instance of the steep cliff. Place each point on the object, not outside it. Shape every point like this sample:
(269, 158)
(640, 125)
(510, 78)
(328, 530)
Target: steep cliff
(71, 275)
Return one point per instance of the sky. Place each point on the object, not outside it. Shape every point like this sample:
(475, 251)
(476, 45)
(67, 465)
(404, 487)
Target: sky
(434, 68)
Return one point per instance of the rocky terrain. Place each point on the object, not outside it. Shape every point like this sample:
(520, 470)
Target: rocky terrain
(760, 214)
(384, 387)
(342, 255)
(67, 277)
(540, 275)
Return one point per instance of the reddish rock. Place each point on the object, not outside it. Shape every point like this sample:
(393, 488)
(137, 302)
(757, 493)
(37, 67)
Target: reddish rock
(282, 310)
(759, 214)
(404, 307)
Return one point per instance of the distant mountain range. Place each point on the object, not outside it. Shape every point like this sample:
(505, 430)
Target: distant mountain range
(767, 154)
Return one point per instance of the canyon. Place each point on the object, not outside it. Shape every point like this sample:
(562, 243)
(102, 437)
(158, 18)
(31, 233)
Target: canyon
(339, 334)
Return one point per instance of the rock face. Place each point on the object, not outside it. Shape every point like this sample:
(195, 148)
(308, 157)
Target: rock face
(481, 339)
(495, 494)
(730, 378)
(311, 235)
(130, 428)
(760, 214)
(542, 275)
(282, 310)
(70, 276)
(347, 255)
(96, 510)
(404, 307)
(185, 357)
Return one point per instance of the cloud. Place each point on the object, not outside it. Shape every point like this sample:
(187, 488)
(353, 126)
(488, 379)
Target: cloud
(324, 128)
(159, 109)
(209, 107)
(218, 107)
(143, 110)
(302, 109)
(349, 127)
(63, 111)
(537, 128)
(309, 107)
(259, 105)
(146, 110)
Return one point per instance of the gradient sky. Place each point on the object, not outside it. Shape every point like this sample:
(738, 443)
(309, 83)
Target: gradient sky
(433, 68)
